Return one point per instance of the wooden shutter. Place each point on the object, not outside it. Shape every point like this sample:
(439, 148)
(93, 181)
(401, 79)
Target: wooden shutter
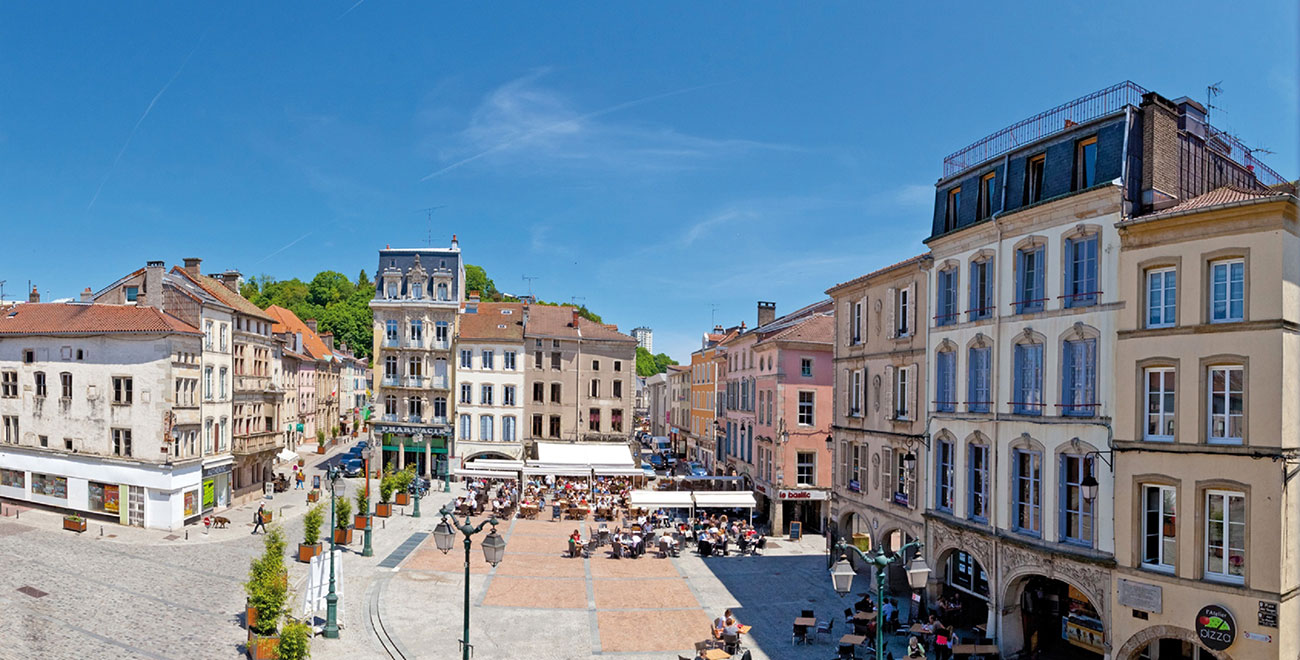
(891, 308)
(913, 411)
(887, 473)
(889, 393)
(912, 305)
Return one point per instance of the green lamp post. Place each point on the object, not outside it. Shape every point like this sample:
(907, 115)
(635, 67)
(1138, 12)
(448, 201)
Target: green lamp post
(331, 630)
(366, 550)
(494, 548)
(415, 493)
(918, 572)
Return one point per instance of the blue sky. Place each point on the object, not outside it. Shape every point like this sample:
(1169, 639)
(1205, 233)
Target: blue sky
(669, 164)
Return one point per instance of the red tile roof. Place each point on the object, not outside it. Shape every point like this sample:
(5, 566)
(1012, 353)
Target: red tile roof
(1217, 197)
(223, 293)
(553, 321)
(817, 329)
(494, 321)
(89, 319)
(862, 278)
(287, 321)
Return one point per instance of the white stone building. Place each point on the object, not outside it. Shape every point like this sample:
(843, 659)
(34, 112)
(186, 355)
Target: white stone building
(100, 412)
(645, 338)
(490, 381)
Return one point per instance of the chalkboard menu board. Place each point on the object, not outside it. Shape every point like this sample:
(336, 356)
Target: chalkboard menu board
(1267, 614)
(796, 530)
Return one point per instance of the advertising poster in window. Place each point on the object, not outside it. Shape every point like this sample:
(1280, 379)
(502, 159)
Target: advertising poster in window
(104, 497)
(13, 478)
(209, 494)
(1082, 627)
(50, 486)
(191, 503)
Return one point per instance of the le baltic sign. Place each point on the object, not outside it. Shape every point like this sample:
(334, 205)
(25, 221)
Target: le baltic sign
(1215, 627)
(796, 494)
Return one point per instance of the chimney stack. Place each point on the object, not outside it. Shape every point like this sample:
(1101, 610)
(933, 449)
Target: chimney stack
(1160, 152)
(232, 279)
(328, 338)
(455, 244)
(311, 323)
(192, 265)
(87, 295)
(717, 329)
(766, 313)
(575, 318)
(153, 284)
(34, 296)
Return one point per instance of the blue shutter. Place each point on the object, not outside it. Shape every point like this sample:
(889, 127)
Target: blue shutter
(1018, 377)
(1063, 506)
(1089, 358)
(1039, 263)
(1068, 379)
(1022, 287)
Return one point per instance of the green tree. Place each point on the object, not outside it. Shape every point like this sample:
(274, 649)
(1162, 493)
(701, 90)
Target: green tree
(476, 279)
(363, 280)
(649, 365)
(662, 361)
(329, 287)
(268, 582)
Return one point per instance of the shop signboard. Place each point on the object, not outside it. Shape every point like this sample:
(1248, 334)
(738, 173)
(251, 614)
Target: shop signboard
(1215, 627)
(1267, 614)
(796, 494)
(855, 486)
(1082, 627)
(209, 494)
(191, 503)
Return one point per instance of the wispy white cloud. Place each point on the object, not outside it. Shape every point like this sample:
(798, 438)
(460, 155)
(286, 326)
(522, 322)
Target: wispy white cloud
(349, 10)
(524, 121)
(284, 247)
(136, 127)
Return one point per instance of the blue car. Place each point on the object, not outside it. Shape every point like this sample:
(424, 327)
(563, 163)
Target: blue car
(657, 461)
(352, 467)
(697, 470)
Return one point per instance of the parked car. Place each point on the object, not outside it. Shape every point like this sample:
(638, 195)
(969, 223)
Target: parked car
(352, 467)
(657, 462)
(696, 470)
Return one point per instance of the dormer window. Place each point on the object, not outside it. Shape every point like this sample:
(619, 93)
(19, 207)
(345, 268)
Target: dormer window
(392, 290)
(132, 293)
(417, 290)
(442, 291)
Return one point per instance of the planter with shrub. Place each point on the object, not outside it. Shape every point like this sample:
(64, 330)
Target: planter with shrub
(342, 516)
(267, 590)
(311, 524)
(74, 523)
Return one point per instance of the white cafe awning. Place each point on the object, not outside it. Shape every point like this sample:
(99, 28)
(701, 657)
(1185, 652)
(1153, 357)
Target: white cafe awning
(729, 499)
(617, 471)
(539, 469)
(584, 454)
(494, 464)
(484, 474)
(287, 455)
(662, 499)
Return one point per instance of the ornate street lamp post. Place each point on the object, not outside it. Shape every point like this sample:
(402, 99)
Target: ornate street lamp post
(842, 577)
(494, 548)
(331, 630)
(366, 550)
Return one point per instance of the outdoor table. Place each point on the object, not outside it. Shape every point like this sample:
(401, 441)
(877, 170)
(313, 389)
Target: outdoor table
(853, 640)
(920, 629)
(864, 616)
(809, 621)
(744, 629)
(978, 650)
(716, 654)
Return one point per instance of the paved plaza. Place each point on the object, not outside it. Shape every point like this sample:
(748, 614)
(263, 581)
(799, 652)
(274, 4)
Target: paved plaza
(117, 592)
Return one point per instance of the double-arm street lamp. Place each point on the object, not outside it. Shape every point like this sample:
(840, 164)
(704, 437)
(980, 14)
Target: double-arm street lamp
(494, 548)
(331, 630)
(842, 577)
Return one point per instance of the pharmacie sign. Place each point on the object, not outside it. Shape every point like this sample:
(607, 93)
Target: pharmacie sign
(1215, 627)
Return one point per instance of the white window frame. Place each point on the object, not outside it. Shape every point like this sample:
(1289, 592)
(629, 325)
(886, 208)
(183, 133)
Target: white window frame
(1156, 297)
(1227, 291)
(1226, 393)
(1228, 522)
(1158, 412)
(811, 408)
(1162, 563)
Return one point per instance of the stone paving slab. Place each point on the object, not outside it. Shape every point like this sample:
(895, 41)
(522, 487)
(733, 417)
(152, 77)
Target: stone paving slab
(647, 566)
(661, 630)
(429, 558)
(643, 593)
(542, 566)
(547, 593)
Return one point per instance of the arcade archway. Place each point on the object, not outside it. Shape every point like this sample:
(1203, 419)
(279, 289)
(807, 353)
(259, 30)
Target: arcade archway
(1054, 619)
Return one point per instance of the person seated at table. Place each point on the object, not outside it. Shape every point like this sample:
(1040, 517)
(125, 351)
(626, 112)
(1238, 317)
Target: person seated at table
(864, 604)
(888, 610)
(914, 648)
(637, 548)
(730, 626)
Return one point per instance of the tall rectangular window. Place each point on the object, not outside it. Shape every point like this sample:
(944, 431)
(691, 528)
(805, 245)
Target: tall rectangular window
(988, 193)
(466, 427)
(1162, 297)
(390, 330)
(507, 395)
(508, 361)
(122, 394)
(1079, 378)
(943, 492)
(946, 298)
(555, 393)
(978, 396)
(1081, 271)
(121, 442)
(417, 332)
(1029, 280)
(1227, 291)
(981, 290)
(1034, 179)
(855, 396)
(1085, 163)
(488, 359)
(485, 395)
(485, 428)
(945, 381)
(1225, 536)
(1160, 404)
(805, 367)
(1028, 491)
(1159, 527)
(807, 401)
(1028, 377)
(806, 468)
(978, 483)
(593, 419)
(42, 388)
(903, 312)
(902, 393)
(953, 209)
(857, 323)
(508, 429)
(65, 379)
(1076, 511)
(1227, 393)
(441, 332)
(466, 358)
(466, 393)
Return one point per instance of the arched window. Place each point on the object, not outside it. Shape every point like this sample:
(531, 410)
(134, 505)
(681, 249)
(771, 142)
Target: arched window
(1027, 376)
(945, 379)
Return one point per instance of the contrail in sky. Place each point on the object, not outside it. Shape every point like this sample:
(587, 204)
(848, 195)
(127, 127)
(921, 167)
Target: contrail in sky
(561, 124)
(139, 121)
(349, 11)
(295, 242)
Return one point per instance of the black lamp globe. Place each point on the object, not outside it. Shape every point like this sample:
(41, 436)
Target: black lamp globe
(1089, 486)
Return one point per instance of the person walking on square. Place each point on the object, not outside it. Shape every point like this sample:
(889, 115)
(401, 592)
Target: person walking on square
(258, 521)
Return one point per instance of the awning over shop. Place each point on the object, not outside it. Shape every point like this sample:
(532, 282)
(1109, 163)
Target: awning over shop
(586, 454)
(617, 471)
(287, 455)
(494, 464)
(662, 499)
(542, 469)
(484, 474)
(728, 499)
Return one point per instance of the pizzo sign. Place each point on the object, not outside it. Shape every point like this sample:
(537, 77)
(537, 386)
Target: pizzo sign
(1215, 627)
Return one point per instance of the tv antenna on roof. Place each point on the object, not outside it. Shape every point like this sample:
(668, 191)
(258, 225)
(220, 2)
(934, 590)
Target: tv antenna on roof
(530, 279)
(1212, 92)
(573, 300)
(713, 314)
(429, 215)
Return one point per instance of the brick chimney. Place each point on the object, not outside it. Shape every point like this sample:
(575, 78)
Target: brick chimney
(232, 279)
(153, 285)
(574, 322)
(192, 265)
(455, 244)
(328, 338)
(766, 313)
(1159, 152)
(87, 295)
(34, 296)
(311, 323)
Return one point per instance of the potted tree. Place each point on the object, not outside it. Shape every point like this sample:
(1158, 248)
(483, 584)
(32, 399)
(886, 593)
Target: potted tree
(363, 510)
(311, 524)
(334, 430)
(342, 516)
(386, 487)
(313, 495)
(295, 641)
(267, 590)
(74, 522)
(320, 441)
(402, 481)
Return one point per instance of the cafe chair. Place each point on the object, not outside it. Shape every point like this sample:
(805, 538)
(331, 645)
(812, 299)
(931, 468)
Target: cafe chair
(826, 627)
(847, 652)
(746, 655)
(848, 615)
(807, 614)
(761, 545)
(799, 635)
(730, 643)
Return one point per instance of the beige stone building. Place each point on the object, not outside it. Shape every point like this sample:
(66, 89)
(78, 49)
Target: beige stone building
(1208, 429)
(880, 408)
(579, 382)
